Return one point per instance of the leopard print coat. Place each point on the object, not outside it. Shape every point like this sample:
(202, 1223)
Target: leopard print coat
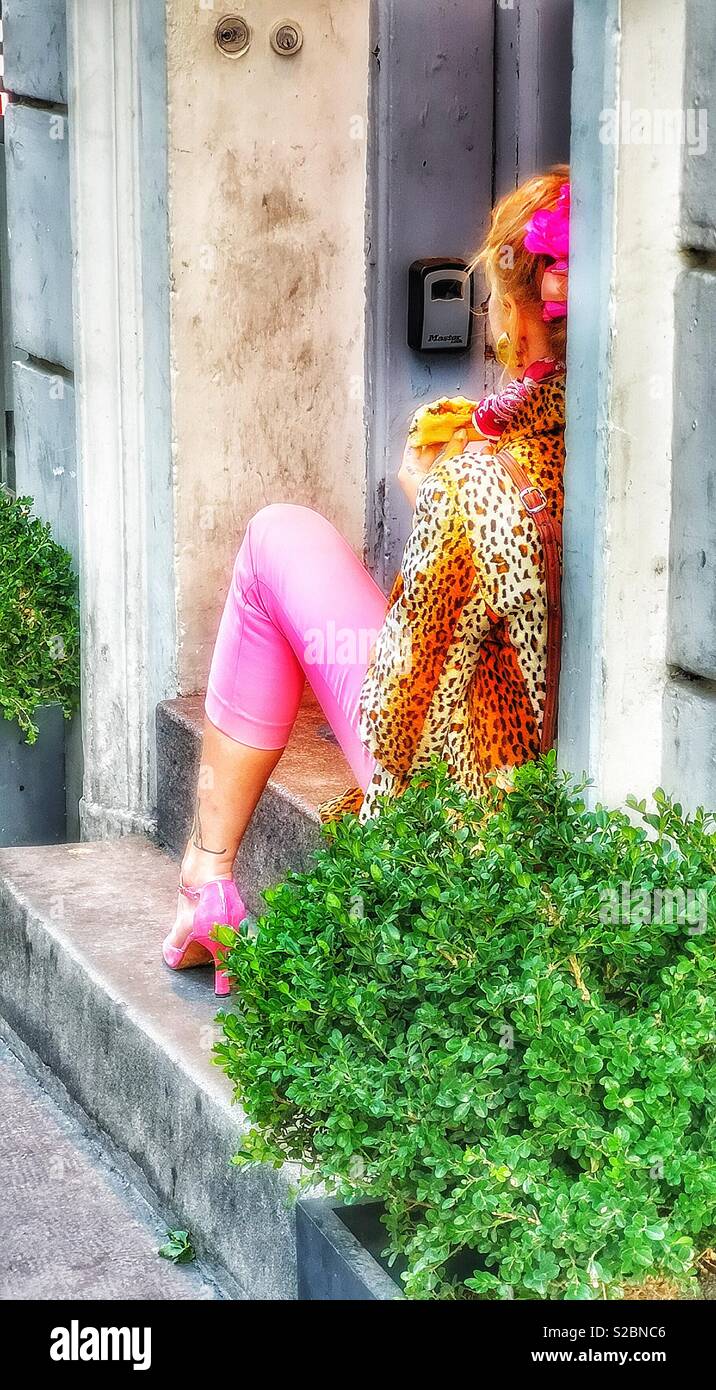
(459, 669)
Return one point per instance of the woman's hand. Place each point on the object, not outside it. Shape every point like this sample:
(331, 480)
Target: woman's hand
(417, 463)
(415, 466)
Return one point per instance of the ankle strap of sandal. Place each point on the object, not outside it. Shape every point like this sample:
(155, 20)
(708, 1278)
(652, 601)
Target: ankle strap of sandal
(193, 894)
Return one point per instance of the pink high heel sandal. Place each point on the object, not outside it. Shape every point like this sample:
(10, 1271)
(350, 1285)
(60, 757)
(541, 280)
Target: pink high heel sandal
(218, 902)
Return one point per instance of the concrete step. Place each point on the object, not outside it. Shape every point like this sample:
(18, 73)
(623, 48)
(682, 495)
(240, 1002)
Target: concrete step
(285, 826)
(84, 988)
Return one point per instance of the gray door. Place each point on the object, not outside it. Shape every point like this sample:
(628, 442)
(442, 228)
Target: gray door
(7, 466)
(466, 100)
(39, 303)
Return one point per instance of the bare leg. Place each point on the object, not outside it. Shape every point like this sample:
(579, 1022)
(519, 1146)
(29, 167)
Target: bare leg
(232, 778)
(295, 582)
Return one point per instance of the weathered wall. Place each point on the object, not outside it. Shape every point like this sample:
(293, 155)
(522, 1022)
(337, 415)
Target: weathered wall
(38, 182)
(35, 48)
(267, 195)
(40, 243)
(44, 406)
(690, 697)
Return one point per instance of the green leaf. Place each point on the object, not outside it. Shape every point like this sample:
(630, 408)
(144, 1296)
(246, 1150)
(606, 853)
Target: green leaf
(178, 1248)
(225, 935)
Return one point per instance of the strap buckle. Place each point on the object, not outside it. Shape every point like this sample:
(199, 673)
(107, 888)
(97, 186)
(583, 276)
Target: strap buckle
(536, 492)
(193, 894)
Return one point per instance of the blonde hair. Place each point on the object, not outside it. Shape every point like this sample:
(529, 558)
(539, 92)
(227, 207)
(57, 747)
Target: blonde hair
(508, 267)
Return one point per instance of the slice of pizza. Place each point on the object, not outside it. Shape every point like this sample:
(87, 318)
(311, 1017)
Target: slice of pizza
(438, 422)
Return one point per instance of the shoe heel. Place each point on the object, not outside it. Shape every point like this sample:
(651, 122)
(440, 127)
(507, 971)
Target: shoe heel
(222, 983)
(218, 902)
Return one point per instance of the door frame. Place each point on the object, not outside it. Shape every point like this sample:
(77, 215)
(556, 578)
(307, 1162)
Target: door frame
(117, 127)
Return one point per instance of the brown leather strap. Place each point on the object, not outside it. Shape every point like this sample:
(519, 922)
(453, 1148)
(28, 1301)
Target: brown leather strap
(535, 504)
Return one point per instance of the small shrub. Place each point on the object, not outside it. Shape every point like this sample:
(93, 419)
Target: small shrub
(178, 1248)
(446, 1014)
(39, 624)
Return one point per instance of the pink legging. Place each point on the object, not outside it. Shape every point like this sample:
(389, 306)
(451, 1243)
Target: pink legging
(300, 606)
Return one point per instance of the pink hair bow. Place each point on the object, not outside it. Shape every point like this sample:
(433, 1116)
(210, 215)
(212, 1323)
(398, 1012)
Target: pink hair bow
(548, 235)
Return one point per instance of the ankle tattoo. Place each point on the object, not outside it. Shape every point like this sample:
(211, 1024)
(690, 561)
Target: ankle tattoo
(197, 836)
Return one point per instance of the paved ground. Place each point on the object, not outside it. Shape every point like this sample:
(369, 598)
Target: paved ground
(70, 1225)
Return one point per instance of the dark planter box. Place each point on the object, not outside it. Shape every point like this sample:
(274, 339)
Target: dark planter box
(32, 781)
(339, 1253)
(338, 1250)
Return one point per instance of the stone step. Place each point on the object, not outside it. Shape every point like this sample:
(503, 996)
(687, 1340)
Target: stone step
(84, 988)
(285, 826)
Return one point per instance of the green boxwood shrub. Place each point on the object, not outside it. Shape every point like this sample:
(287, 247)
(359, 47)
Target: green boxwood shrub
(449, 1014)
(39, 617)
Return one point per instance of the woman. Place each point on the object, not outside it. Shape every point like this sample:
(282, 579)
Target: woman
(460, 666)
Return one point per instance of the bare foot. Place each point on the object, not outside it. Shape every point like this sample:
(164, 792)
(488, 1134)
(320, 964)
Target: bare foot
(198, 867)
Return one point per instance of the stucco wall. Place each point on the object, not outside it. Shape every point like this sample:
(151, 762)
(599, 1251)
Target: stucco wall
(267, 161)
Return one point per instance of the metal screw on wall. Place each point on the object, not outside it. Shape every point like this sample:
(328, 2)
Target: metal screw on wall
(287, 38)
(232, 36)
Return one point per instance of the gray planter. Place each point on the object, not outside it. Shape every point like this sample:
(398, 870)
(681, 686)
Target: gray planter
(32, 781)
(338, 1250)
(339, 1253)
